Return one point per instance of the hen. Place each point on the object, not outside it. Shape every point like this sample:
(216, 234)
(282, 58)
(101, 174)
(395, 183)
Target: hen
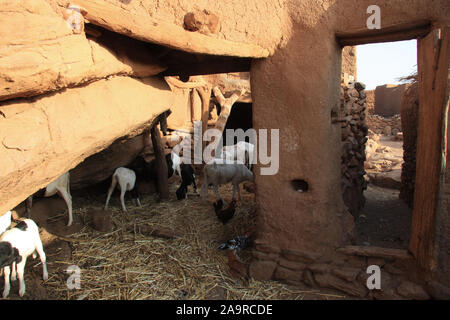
(224, 215)
(237, 244)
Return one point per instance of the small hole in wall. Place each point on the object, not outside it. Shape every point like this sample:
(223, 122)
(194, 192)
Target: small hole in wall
(334, 113)
(299, 185)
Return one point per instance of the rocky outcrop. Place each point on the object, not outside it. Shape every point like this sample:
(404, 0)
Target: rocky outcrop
(46, 55)
(47, 136)
(148, 29)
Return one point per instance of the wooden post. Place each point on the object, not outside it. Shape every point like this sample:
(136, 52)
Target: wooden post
(205, 95)
(161, 165)
(226, 104)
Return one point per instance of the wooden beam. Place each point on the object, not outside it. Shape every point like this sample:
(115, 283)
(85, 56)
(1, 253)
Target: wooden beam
(146, 28)
(161, 165)
(433, 66)
(396, 33)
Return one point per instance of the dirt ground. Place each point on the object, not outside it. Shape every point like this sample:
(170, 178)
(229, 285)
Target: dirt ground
(125, 264)
(385, 220)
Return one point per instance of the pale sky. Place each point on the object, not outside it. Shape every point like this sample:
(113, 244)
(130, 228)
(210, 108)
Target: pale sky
(383, 63)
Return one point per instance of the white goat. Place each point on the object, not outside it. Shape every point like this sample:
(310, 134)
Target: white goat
(242, 151)
(218, 174)
(5, 221)
(126, 179)
(61, 186)
(16, 245)
(176, 162)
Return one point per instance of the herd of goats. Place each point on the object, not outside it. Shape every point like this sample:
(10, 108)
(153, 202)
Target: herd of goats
(233, 165)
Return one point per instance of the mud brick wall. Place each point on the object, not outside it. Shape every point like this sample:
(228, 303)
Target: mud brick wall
(409, 119)
(388, 99)
(353, 135)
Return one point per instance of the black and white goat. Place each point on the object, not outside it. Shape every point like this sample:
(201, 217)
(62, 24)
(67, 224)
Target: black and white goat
(146, 171)
(222, 173)
(126, 178)
(187, 178)
(60, 186)
(16, 245)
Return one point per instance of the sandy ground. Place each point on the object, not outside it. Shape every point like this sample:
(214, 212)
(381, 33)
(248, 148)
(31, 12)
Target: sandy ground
(386, 220)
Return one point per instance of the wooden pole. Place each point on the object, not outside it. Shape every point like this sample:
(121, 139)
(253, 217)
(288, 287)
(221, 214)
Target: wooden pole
(161, 165)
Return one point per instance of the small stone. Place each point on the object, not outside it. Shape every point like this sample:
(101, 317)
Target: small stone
(347, 274)
(261, 246)
(267, 256)
(262, 270)
(287, 274)
(300, 256)
(101, 220)
(291, 264)
(308, 278)
(411, 290)
(360, 86)
(318, 268)
(375, 262)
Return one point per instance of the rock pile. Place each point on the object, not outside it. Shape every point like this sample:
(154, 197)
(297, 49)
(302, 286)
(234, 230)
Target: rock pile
(386, 126)
(353, 136)
(370, 101)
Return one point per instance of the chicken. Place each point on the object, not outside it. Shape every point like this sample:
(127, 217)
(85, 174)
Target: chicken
(237, 244)
(238, 269)
(224, 215)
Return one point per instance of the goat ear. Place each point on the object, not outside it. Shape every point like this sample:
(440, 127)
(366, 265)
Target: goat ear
(8, 255)
(17, 257)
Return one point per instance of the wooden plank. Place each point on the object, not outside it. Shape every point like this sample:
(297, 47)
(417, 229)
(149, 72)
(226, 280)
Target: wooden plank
(161, 165)
(433, 66)
(397, 33)
(145, 28)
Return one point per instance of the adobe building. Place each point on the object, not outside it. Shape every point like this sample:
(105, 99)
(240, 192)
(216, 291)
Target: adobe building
(388, 99)
(68, 93)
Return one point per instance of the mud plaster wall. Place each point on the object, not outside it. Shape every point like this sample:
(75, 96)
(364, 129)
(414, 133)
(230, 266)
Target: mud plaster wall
(253, 21)
(66, 127)
(388, 99)
(409, 118)
(302, 80)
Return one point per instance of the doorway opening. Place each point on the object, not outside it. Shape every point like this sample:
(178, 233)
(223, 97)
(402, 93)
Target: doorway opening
(383, 215)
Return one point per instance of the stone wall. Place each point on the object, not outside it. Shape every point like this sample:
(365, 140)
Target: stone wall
(409, 118)
(346, 271)
(353, 136)
(349, 61)
(387, 126)
(370, 101)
